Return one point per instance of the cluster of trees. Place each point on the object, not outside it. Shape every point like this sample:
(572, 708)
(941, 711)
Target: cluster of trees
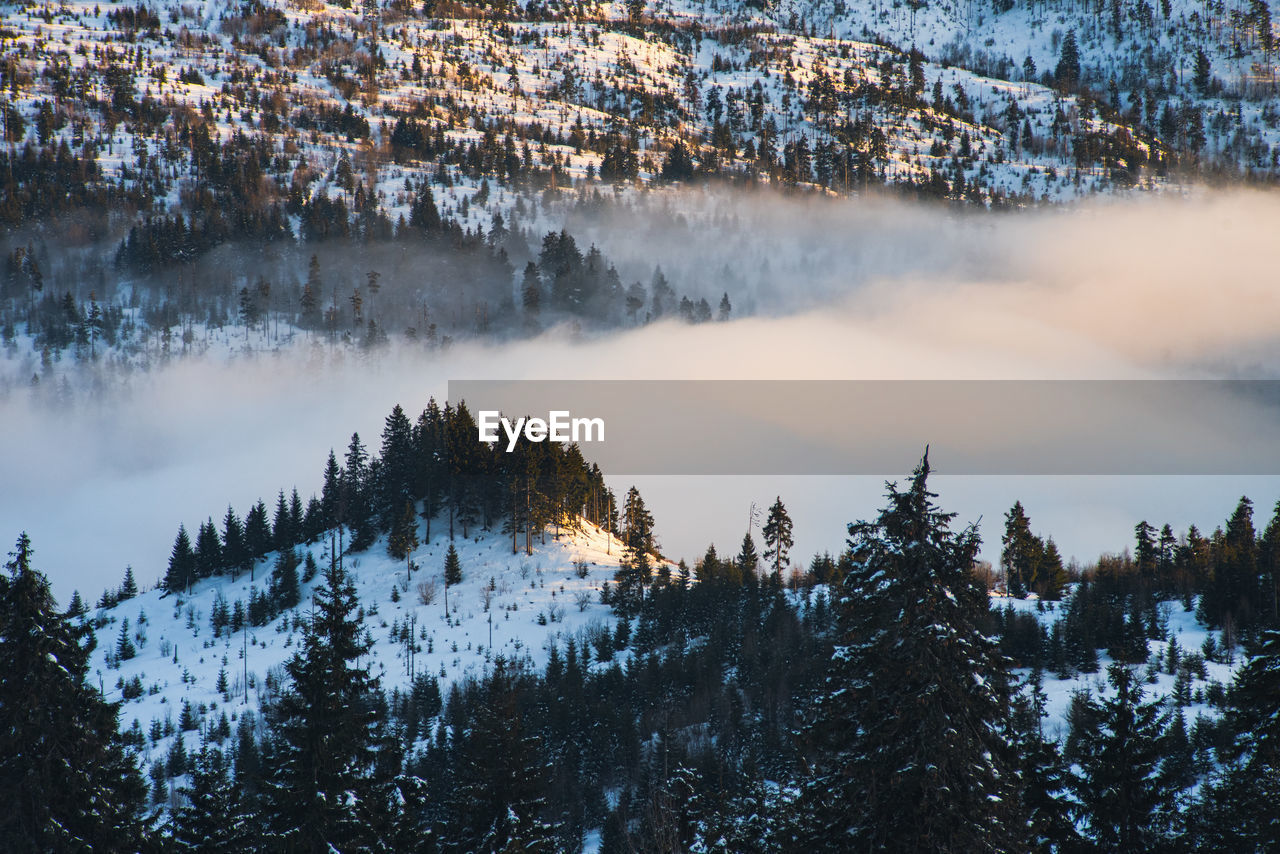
(888, 712)
(1231, 578)
(434, 469)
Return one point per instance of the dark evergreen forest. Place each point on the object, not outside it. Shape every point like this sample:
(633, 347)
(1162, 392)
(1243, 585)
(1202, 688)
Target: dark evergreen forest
(876, 701)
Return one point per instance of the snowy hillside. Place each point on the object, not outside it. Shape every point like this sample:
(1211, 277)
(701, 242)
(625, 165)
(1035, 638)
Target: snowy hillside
(526, 603)
(1165, 676)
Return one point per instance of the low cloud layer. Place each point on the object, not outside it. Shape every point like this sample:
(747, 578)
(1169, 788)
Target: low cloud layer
(1179, 287)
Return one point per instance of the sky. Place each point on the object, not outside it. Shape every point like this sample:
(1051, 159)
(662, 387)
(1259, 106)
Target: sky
(1159, 288)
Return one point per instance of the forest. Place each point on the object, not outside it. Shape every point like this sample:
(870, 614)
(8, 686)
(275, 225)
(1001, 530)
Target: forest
(732, 705)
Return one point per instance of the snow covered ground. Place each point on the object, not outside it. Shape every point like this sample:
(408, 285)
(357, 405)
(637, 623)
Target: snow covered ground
(514, 605)
(1157, 683)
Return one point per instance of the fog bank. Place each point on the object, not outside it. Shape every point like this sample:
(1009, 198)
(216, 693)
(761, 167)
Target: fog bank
(1178, 288)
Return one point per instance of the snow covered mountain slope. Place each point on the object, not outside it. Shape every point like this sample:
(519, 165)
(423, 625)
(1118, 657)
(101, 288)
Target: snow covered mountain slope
(525, 603)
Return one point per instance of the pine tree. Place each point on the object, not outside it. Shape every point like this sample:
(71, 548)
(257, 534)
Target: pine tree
(1237, 811)
(452, 567)
(637, 546)
(235, 555)
(124, 645)
(208, 551)
(257, 532)
(777, 537)
(329, 765)
(404, 536)
(284, 580)
(1044, 777)
(1019, 552)
(747, 560)
(1125, 803)
(213, 819)
(65, 780)
(908, 734)
(1067, 73)
(498, 798)
(182, 563)
(128, 587)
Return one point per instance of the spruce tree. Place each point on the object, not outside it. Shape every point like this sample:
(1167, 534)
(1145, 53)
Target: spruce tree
(498, 798)
(1117, 743)
(356, 499)
(1067, 72)
(452, 567)
(213, 819)
(330, 769)
(128, 587)
(66, 781)
(182, 563)
(235, 556)
(637, 546)
(284, 580)
(404, 536)
(124, 645)
(777, 537)
(1237, 812)
(282, 533)
(907, 737)
(1043, 771)
(257, 531)
(747, 559)
(398, 467)
(208, 550)
(1018, 553)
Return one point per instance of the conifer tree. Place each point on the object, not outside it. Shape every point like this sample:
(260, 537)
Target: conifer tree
(637, 546)
(398, 467)
(330, 770)
(284, 580)
(908, 734)
(498, 800)
(66, 782)
(1237, 810)
(747, 559)
(124, 645)
(452, 567)
(282, 533)
(404, 536)
(1044, 777)
(777, 537)
(235, 555)
(208, 551)
(213, 819)
(182, 563)
(1018, 554)
(1125, 802)
(128, 587)
(257, 531)
(1067, 73)
(356, 498)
